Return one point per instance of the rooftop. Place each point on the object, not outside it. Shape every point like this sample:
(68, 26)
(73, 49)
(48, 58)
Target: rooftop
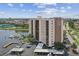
(39, 46)
(49, 50)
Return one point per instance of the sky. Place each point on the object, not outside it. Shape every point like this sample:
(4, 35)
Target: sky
(32, 10)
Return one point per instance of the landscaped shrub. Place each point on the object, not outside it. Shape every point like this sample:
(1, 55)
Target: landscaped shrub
(58, 46)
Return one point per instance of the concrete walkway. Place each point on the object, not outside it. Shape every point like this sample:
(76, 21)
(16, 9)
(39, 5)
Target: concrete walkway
(5, 50)
(27, 51)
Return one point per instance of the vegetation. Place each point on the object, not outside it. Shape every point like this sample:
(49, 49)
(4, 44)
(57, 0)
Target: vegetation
(16, 29)
(19, 27)
(24, 26)
(73, 32)
(27, 39)
(59, 46)
(23, 30)
(11, 28)
(71, 24)
(74, 46)
(75, 40)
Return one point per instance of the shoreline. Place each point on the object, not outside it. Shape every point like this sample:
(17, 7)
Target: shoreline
(14, 29)
(5, 50)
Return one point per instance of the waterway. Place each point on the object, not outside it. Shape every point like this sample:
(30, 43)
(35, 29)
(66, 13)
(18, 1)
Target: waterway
(5, 35)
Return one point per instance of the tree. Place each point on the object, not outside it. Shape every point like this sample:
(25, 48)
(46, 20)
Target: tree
(30, 36)
(71, 24)
(59, 46)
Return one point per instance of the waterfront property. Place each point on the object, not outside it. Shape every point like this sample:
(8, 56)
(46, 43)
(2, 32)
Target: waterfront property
(48, 30)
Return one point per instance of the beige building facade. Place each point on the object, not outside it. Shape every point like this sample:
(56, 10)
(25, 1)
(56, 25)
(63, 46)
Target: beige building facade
(48, 31)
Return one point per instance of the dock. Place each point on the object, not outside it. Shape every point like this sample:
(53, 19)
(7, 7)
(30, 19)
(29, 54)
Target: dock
(8, 44)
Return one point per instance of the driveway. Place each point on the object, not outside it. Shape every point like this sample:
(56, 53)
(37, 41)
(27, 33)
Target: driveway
(28, 51)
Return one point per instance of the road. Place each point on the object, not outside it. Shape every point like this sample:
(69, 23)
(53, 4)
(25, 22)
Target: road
(29, 51)
(26, 52)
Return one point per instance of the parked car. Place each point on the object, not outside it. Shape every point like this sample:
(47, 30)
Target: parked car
(28, 46)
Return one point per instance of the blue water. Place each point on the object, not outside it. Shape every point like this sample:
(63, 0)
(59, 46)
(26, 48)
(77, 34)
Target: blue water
(5, 34)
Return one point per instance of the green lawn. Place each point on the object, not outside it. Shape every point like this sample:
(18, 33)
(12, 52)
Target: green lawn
(17, 27)
(14, 28)
(22, 30)
(11, 28)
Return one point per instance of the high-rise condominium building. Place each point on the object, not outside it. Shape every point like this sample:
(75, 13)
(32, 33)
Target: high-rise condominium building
(48, 30)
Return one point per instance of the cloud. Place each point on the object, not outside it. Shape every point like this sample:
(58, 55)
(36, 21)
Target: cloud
(47, 11)
(44, 5)
(1, 13)
(39, 5)
(69, 7)
(63, 11)
(51, 4)
(24, 10)
(51, 10)
(21, 5)
(10, 5)
(62, 7)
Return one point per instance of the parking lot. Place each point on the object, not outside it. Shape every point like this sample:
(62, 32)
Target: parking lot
(28, 51)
